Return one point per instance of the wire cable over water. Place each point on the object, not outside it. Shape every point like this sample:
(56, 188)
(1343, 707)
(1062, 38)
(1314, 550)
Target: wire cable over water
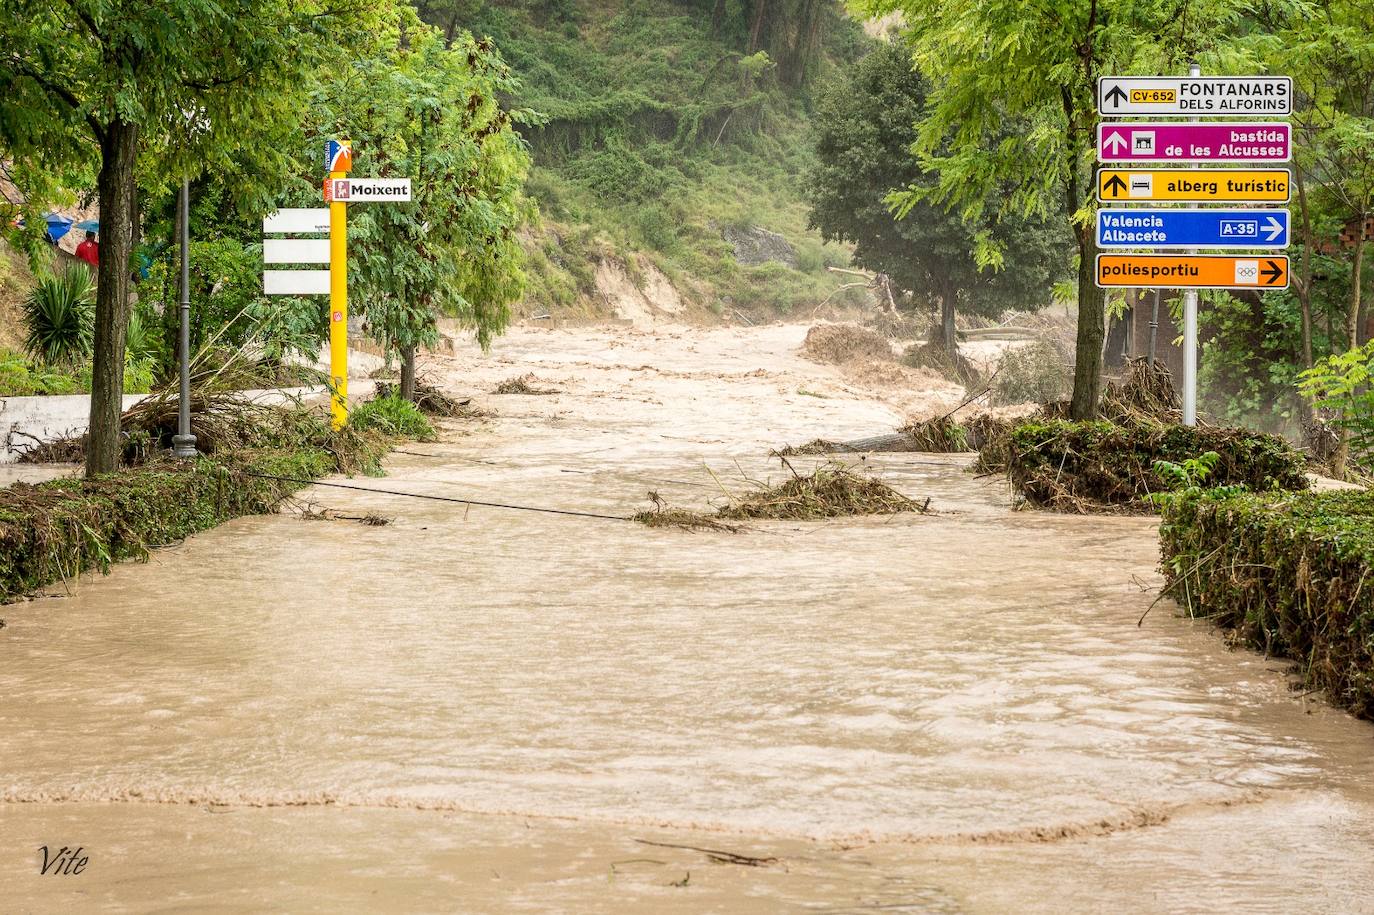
(420, 495)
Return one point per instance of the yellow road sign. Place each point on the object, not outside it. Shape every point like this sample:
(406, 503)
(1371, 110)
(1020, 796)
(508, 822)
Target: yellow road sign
(1195, 185)
(1191, 271)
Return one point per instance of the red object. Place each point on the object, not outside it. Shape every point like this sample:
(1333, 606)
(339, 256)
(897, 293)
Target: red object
(89, 252)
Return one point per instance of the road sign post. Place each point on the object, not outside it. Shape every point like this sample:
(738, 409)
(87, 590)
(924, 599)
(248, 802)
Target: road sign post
(340, 156)
(339, 191)
(1190, 229)
(1190, 323)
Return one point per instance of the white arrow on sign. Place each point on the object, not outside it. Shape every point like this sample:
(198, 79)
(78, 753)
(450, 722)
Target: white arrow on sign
(1116, 142)
(297, 220)
(1273, 227)
(295, 251)
(295, 282)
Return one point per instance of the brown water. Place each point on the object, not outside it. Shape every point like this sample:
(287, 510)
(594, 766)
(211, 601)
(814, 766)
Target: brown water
(482, 709)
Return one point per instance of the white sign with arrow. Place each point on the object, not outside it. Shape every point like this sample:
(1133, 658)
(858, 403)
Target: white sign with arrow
(1182, 96)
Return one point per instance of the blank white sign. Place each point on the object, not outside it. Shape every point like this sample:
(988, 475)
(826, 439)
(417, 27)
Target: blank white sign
(295, 282)
(298, 220)
(295, 251)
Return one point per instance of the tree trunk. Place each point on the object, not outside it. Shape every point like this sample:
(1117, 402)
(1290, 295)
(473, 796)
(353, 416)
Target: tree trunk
(756, 30)
(947, 332)
(1092, 306)
(1352, 323)
(1304, 285)
(115, 184)
(717, 18)
(408, 373)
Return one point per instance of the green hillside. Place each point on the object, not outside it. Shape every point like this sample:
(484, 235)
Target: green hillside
(659, 135)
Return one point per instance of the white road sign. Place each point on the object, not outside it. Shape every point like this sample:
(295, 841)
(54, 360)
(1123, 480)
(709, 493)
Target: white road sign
(295, 282)
(295, 251)
(298, 220)
(1187, 96)
(367, 190)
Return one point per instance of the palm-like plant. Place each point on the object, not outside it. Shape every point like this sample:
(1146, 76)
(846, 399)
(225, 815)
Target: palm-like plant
(60, 316)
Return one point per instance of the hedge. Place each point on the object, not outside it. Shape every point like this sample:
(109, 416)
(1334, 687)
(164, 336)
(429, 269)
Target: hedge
(1289, 573)
(54, 530)
(1109, 466)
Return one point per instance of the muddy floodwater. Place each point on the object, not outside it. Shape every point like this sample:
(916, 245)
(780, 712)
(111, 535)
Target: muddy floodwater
(483, 709)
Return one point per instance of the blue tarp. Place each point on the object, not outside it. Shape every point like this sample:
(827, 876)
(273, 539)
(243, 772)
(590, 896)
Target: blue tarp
(89, 225)
(58, 226)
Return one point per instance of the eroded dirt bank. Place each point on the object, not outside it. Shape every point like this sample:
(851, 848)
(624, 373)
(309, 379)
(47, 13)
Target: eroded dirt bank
(483, 710)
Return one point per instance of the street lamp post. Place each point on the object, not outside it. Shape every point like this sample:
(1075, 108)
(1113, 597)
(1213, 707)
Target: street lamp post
(184, 442)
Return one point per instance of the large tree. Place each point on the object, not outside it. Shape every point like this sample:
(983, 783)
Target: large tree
(865, 129)
(428, 106)
(1012, 106)
(191, 82)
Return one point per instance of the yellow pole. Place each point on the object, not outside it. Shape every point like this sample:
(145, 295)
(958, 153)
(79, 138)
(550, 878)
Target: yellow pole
(338, 306)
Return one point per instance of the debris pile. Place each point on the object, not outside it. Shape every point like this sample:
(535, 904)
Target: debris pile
(840, 343)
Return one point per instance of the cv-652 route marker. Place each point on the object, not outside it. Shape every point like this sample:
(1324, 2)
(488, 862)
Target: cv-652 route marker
(1194, 96)
(1162, 142)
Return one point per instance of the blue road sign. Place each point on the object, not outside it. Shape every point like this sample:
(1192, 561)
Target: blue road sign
(1192, 228)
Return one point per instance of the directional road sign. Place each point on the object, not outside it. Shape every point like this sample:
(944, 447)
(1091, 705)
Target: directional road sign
(1191, 96)
(1210, 142)
(1192, 228)
(295, 282)
(295, 251)
(1251, 185)
(366, 190)
(1193, 271)
(297, 220)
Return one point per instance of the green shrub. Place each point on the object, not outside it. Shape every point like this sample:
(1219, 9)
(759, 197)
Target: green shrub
(21, 378)
(1288, 573)
(1106, 466)
(1035, 373)
(392, 416)
(59, 316)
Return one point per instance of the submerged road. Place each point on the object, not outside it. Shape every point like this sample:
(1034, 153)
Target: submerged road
(492, 710)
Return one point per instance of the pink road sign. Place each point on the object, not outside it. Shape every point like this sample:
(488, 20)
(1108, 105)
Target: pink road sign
(1206, 142)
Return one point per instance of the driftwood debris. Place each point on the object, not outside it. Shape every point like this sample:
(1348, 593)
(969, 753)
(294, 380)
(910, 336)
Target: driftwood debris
(720, 857)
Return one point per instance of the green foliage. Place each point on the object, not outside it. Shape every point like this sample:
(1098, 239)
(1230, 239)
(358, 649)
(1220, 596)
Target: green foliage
(1034, 373)
(392, 417)
(1286, 572)
(1188, 479)
(658, 128)
(1341, 383)
(865, 129)
(1106, 466)
(21, 378)
(438, 114)
(59, 315)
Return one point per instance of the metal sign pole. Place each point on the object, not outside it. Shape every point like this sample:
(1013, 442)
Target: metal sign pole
(1154, 327)
(340, 162)
(1190, 332)
(184, 442)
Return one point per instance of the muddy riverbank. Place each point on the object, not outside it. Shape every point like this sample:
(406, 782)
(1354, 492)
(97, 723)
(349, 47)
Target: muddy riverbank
(483, 709)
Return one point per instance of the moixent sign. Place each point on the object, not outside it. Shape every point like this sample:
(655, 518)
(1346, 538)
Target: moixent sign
(1211, 142)
(1191, 96)
(366, 190)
